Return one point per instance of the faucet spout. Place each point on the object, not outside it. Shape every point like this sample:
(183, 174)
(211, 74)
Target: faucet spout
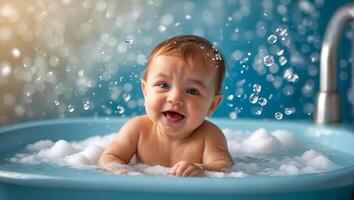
(327, 107)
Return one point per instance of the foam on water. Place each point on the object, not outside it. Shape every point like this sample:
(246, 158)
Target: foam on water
(258, 153)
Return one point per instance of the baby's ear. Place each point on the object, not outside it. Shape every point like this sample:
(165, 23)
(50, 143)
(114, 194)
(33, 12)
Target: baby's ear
(143, 86)
(216, 101)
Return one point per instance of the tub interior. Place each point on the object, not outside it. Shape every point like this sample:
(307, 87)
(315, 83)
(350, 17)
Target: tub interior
(335, 141)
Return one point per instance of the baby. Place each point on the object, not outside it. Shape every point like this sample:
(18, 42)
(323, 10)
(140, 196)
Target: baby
(181, 87)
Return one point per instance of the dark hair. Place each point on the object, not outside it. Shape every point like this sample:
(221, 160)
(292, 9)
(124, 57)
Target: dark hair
(192, 47)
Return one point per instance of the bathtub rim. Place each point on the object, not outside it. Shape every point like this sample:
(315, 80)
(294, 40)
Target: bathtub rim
(261, 184)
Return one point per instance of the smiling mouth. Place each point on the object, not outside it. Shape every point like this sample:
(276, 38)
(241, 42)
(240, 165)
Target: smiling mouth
(172, 116)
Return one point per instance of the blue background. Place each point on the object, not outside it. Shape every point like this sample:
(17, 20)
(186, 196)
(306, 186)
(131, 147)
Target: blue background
(85, 58)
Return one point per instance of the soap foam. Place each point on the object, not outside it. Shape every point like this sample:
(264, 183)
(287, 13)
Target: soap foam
(258, 153)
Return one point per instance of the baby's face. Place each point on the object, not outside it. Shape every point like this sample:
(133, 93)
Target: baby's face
(178, 97)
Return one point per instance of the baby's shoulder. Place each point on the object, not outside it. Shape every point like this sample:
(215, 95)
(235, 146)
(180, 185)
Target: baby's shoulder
(208, 128)
(139, 122)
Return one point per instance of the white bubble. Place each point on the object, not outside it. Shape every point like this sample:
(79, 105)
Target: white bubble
(262, 101)
(282, 60)
(129, 40)
(253, 98)
(188, 17)
(272, 39)
(233, 115)
(86, 105)
(71, 108)
(257, 88)
(268, 60)
(167, 19)
(258, 111)
(290, 76)
(122, 47)
(56, 102)
(162, 28)
(128, 87)
(278, 115)
(20, 110)
(282, 32)
(237, 55)
(289, 110)
(16, 52)
(5, 69)
(280, 52)
(120, 109)
(54, 61)
(126, 97)
(230, 97)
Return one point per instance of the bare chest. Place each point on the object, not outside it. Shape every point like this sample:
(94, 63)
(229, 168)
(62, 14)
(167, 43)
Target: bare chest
(153, 153)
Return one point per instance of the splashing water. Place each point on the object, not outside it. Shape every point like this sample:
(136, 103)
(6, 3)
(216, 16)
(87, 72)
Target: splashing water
(278, 115)
(272, 39)
(289, 110)
(268, 60)
(257, 88)
(253, 98)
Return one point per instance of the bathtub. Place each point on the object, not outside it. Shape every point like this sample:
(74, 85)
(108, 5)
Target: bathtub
(50, 182)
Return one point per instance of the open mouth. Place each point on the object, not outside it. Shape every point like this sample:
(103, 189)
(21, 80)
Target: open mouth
(172, 116)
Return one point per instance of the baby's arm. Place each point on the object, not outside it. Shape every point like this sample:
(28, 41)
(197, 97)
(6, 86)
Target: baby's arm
(122, 149)
(216, 156)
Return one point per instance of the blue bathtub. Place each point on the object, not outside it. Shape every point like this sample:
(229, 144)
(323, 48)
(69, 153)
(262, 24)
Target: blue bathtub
(54, 182)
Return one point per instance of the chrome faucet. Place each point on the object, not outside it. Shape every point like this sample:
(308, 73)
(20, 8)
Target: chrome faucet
(328, 108)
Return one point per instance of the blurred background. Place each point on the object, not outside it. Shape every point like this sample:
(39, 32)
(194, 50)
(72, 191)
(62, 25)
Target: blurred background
(85, 58)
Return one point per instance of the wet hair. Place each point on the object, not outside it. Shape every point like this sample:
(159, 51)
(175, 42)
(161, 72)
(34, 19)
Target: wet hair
(192, 48)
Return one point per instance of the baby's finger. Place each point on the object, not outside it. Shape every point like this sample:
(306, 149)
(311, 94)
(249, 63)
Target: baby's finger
(173, 170)
(181, 168)
(197, 173)
(188, 170)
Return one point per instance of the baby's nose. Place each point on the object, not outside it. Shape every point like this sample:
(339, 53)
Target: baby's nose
(175, 97)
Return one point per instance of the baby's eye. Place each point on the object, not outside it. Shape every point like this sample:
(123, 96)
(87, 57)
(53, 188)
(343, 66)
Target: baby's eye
(163, 85)
(192, 91)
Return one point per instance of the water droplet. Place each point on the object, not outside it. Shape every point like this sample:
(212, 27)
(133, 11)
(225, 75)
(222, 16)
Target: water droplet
(278, 115)
(129, 40)
(280, 52)
(282, 60)
(16, 52)
(56, 102)
(162, 28)
(257, 88)
(71, 108)
(188, 17)
(54, 61)
(233, 115)
(258, 111)
(290, 76)
(253, 98)
(230, 97)
(262, 101)
(120, 109)
(5, 69)
(218, 57)
(272, 39)
(126, 97)
(86, 105)
(268, 60)
(289, 111)
(282, 32)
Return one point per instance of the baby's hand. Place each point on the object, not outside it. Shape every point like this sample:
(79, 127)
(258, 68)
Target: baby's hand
(118, 168)
(184, 168)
